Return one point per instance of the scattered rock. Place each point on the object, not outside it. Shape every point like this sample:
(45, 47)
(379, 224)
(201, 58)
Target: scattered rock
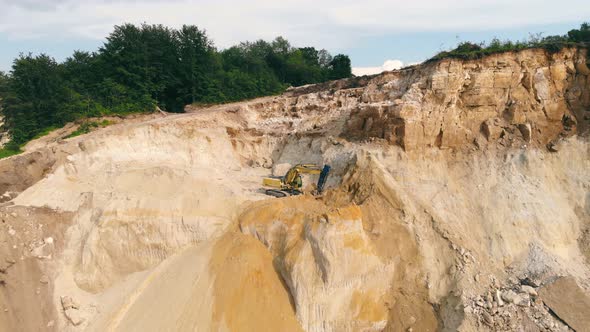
(468, 309)
(74, 316)
(487, 318)
(522, 300)
(530, 282)
(528, 290)
(42, 252)
(509, 296)
(499, 298)
(68, 303)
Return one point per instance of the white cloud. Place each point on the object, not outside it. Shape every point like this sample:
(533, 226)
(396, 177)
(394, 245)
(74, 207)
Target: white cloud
(387, 66)
(334, 24)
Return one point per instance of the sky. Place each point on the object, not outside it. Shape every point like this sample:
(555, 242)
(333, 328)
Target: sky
(376, 34)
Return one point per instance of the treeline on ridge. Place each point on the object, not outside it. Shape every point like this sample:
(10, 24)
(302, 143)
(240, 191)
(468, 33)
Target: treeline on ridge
(469, 50)
(143, 67)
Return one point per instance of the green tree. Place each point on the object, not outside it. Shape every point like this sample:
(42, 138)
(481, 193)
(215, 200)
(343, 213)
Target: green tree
(162, 65)
(310, 56)
(199, 66)
(281, 46)
(125, 65)
(37, 92)
(3, 86)
(3, 92)
(82, 75)
(340, 67)
(324, 58)
(302, 67)
(580, 35)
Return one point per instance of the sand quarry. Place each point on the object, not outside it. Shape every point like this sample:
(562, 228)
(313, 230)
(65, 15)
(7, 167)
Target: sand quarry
(459, 200)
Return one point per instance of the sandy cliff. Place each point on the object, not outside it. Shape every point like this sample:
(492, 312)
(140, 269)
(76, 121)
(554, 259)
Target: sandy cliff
(455, 186)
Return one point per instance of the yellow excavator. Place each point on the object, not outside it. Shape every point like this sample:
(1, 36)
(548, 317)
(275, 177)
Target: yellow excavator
(291, 183)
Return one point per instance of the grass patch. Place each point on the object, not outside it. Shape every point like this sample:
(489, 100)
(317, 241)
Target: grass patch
(44, 132)
(89, 126)
(13, 148)
(4, 153)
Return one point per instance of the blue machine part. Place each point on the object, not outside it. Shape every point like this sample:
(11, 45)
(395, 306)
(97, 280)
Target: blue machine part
(323, 178)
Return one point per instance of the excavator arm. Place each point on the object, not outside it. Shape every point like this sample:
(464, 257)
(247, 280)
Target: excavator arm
(291, 182)
(293, 174)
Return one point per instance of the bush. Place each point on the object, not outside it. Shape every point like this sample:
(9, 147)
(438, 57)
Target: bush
(552, 44)
(5, 152)
(87, 127)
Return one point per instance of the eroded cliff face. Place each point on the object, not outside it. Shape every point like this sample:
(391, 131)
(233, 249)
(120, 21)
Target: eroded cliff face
(450, 104)
(452, 183)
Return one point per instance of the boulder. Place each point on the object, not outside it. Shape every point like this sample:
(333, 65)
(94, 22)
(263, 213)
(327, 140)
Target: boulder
(528, 290)
(568, 301)
(510, 296)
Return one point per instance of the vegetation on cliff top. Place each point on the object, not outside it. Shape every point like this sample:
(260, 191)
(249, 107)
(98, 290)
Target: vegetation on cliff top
(469, 50)
(143, 67)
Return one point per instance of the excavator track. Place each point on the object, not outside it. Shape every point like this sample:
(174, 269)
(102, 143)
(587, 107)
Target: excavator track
(276, 193)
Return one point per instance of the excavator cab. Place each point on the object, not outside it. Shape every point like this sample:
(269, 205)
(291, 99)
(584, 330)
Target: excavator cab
(292, 183)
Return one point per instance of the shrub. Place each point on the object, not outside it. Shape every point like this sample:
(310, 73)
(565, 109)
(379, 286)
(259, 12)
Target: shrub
(469, 51)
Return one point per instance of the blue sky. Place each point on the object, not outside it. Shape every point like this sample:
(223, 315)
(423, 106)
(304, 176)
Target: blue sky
(371, 32)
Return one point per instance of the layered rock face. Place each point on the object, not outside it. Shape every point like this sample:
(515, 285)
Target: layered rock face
(530, 96)
(452, 183)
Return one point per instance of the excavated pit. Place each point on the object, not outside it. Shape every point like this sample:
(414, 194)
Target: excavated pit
(451, 182)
